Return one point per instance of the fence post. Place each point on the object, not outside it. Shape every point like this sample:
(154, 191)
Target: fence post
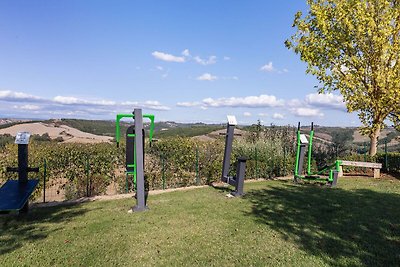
(197, 166)
(256, 158)
(163, 171)
(44, 180)
(126, 183)
(365, 152)
(386, 157)
(284, 161)
(87, 176)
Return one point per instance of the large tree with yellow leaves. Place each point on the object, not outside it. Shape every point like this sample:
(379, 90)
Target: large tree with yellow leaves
(352, 46)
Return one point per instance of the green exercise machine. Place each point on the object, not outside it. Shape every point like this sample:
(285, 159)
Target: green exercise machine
(330, 171)
(135, 135)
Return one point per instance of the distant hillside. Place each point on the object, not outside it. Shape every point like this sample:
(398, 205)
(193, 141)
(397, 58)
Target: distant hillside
(161, 129)
(55, 131)
(348, 137)
(99, 127)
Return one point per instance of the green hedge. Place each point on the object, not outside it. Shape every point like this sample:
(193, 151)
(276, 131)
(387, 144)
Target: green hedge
(390, 162)
(169, 163)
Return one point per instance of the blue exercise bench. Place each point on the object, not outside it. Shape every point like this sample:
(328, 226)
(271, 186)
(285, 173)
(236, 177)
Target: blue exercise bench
(14, 194)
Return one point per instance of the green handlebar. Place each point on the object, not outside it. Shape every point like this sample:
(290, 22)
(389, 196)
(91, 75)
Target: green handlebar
(310, 143)
(120, 116)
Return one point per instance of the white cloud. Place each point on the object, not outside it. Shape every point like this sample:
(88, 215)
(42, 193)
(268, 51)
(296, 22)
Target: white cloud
(278, 116)
(307, 112)
(186, 53)
(248, 101)
(263, 114)
(326, 101)
(154, 105)
(8, 95)
(207, 77)
(227, 58)
(27, 107)
(167, 57)
(188, 104)
(209, 61)
(19, 103)
(230, 78)
(159, 68)
(268, 67)
(247, 114)
(294, 103)
(69, 100)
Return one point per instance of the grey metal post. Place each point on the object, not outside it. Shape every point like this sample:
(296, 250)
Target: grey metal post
(335, 178)
(301, 158)
(140, 190)
(227, 153)
(22, 163)
(240, 173)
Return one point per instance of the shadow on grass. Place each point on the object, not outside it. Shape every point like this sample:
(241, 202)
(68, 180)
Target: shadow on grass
(342, 227)
(17, 230)
(223, 189)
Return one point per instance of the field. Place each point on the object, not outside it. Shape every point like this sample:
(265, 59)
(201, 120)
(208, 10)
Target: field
(277, 223)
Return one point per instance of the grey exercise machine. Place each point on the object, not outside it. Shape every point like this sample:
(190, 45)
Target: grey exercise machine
(238, 180)
(135, 153)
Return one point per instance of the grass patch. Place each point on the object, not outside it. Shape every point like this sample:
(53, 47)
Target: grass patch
(276, 223)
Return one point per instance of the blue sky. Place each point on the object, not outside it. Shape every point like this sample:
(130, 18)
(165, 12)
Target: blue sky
(186, 61)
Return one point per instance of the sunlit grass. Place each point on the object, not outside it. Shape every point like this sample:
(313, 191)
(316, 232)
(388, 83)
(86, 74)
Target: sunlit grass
(276, 223)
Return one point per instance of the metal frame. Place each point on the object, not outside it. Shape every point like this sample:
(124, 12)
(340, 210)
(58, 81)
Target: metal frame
(238, 180)
(333, 169)
(135, 145)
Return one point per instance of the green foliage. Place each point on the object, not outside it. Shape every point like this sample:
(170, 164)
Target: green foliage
(353, 47)
(266, 158)
(5, 139)
(393, 161)
(41, 138)
(178, 160)
(325, 153)
(68, 161)
(270, 150)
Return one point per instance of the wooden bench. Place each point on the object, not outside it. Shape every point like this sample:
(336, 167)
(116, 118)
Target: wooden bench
(376, 166)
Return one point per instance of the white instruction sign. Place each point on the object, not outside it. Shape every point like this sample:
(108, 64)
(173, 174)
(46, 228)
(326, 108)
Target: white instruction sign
(22, 138)
(231, 120)
(303, 139)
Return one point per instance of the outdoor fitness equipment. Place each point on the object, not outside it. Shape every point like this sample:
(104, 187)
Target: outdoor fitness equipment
(14, 194)
(238, 180)
(135, 153)
(302, 143)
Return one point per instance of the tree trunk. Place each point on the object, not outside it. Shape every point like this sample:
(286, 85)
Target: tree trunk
(374, 141)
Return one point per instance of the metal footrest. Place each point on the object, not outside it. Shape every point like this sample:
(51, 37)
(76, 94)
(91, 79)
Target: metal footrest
(14, 195)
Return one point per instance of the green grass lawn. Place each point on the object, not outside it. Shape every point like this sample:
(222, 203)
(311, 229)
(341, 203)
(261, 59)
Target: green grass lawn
(277, 223)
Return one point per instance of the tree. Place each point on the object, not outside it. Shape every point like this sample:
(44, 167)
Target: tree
(395, 118)
(352, 46)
